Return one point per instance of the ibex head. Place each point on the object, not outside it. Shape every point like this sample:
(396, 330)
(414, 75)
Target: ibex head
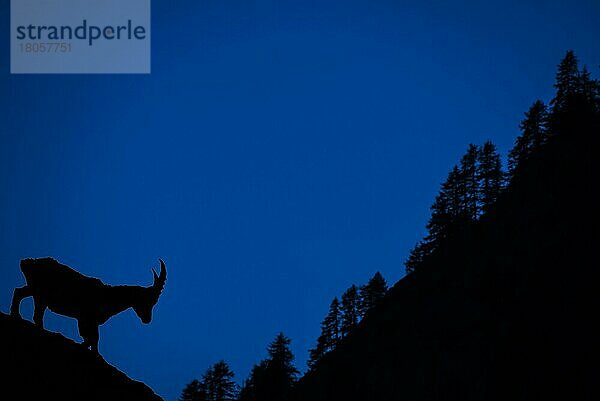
(149, 297)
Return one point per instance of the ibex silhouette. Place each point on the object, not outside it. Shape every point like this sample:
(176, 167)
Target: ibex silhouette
(68, 292)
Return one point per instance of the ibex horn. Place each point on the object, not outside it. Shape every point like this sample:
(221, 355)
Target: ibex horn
(159, 280)
(163, 271)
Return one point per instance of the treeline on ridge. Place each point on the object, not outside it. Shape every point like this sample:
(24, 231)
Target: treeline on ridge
(471, 191)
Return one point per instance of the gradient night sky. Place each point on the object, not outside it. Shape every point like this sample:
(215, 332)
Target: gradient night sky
(279, 152)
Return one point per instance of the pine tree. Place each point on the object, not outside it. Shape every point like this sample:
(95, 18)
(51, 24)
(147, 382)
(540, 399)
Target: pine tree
(440, 219)
(330, 327)
(444, 212)
(371, 294)
(315, 354)
(490, 175)
(572, 108)
(587, 85)
(516, 155)
(281, 372)
(219, 384)
(208, 380)
(247, 391)
(349, 308)
(274, 378)
(534, 125)
(534, 133)
(224, 386)
(254, 387)
(460, 199)
(468, 191)
(469, 184)
(330, 333)
(454, 192)
(282, 358)
(567, 82)
(589, 91)
(416, 256)
(193, 391)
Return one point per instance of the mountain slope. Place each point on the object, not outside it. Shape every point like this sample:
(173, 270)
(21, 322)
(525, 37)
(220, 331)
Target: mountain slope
(506, 309)
(40, 365)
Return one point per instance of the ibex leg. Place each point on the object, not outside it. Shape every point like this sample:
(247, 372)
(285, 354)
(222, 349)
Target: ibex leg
(38, 312)
(89, 333)
(18, 295)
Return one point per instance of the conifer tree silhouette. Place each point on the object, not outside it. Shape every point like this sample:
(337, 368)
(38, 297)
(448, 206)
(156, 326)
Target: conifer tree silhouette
(273, 378)
(330, 333)
(349, 309)
(534, 134)
(576, 102)
(281, 366)
(331, 325)
(490, 176)
(343, 317)
(193, 391)
(442, 211)
(470, 189)
(371, 293)
(255, 387)
(567, 82)
(469, 184)
(453, 190)
(445, 210)
(316, 354)
(416, 256)
(218, 383)
(590, 90)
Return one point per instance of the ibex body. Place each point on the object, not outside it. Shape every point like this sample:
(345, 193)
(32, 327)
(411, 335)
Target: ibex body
(67, 292)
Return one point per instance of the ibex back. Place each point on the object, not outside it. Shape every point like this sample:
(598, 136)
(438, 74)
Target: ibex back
(68, 292)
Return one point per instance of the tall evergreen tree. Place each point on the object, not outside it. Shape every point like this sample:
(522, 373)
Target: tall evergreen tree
(441, 218)
(589, 92)
(371, 293)
(349, 308)
(454, 192)
(331, 325)
(534, 126)
(274, 378)
(255, 387)
(567, 82)
(469, 184)
(575, 105)
(534, 133)
(444, 211)
(193, 391)
(588, 87)
(281, 372)
(282, 358)
(490, 175)
(416, 256)
(219, 384)
(315, 354)
(469, 190)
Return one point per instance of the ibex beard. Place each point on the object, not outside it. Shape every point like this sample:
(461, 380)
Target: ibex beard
(67, 292)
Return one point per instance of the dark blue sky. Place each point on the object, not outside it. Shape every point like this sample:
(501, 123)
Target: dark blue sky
(279, 152)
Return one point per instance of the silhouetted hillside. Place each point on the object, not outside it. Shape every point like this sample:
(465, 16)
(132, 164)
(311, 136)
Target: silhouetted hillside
(40, 365)
(505, 309)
